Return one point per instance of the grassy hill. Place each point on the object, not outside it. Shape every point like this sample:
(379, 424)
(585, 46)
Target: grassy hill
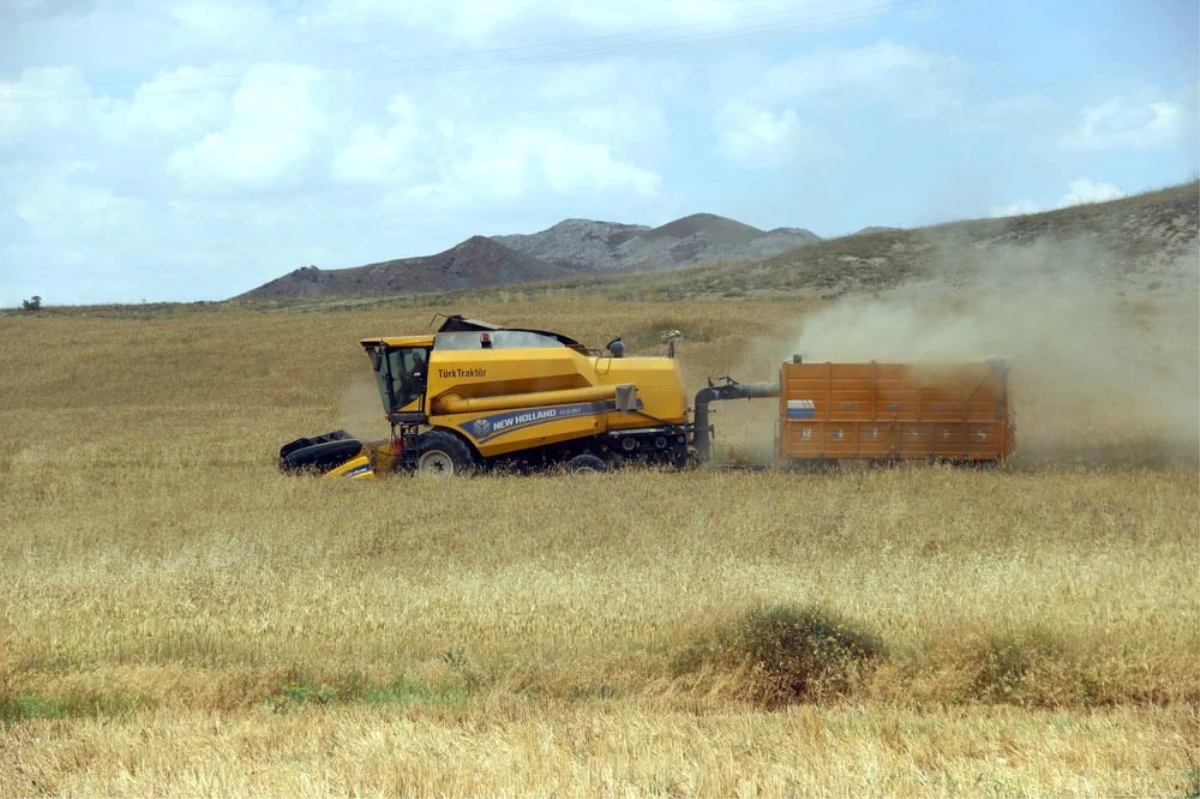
(1148, 242)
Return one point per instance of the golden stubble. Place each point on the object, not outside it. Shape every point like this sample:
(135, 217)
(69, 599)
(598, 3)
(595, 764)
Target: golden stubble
(166, 583)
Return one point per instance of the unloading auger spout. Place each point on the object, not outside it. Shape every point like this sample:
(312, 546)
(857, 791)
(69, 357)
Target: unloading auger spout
(729, 390)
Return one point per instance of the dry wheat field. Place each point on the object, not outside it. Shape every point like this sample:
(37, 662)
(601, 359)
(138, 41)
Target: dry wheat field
(179, 619)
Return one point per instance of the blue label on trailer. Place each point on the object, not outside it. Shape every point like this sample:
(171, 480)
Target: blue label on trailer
(801, 409)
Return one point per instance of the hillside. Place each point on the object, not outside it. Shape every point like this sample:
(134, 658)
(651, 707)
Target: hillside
(570, 249)
(1148, 242)
(478, 262)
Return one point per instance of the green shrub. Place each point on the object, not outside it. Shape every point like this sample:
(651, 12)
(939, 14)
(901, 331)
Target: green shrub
(787, 654)
(796, 654)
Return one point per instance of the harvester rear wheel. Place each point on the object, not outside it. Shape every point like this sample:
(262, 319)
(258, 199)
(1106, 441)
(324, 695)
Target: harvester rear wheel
(586, 463)
(442, 454)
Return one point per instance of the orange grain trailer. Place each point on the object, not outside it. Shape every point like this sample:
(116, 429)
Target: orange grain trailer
(893, 412)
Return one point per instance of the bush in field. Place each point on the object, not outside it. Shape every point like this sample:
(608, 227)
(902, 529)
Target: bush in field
(796, 654)
(33, 304)
(789, 654)
(1006, 666)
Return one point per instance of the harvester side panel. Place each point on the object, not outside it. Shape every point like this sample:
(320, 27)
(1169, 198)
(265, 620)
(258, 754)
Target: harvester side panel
(508, 401)
(886, 411)
(507, 432)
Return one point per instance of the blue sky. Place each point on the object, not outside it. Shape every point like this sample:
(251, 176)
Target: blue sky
(193, 149)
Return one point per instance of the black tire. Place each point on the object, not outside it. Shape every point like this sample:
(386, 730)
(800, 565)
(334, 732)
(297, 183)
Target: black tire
(586, 463)
(320, 457)
(442, 454)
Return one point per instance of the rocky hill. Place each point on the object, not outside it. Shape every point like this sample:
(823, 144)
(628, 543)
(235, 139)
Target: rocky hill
(579, 243)
(699, 238)
(572, 248)
(1147, 242)
(478, 262)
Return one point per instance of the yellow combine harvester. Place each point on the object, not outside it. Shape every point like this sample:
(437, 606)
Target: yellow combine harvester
(477, 396)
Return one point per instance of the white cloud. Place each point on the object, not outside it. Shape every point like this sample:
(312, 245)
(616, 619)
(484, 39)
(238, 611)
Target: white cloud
(1019, 208)
(58, 100)
(1009, 112)
(625, 120)
(617, 78)
(425, 153)
(374, 155)
(502, 166)
(476, 20)
(1121, 123)
(33, 9)
(1079, 192)
(571, 165)
(268, 136)
(759, 137)
(220, 18)
(916, 82)
(759, 124)
(626, 13)
(1089, 191)
(177, 100)
(42, 100)
(52, 208)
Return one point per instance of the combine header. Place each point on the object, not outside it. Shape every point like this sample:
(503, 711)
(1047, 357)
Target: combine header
(477, 396)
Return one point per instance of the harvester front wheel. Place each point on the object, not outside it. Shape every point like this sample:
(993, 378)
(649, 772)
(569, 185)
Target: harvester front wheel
(442, 454)
(586, 463)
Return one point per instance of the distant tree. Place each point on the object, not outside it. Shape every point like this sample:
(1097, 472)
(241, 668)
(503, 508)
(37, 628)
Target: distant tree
(32, 304)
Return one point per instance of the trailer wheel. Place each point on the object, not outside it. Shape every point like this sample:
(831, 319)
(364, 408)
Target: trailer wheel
(442, 454)
(586, 463)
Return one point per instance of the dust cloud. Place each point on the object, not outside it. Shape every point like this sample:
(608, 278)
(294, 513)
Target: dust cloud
(360, 412)
(1098, 375)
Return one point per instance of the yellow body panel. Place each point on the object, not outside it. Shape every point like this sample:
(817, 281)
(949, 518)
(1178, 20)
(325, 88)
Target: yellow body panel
(357, 468)
(568, 395)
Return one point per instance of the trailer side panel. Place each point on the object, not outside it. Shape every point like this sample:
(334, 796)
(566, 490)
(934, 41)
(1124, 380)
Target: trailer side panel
(891, 411)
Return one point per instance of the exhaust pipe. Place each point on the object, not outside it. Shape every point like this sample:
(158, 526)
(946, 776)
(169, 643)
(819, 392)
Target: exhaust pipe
(731, 389)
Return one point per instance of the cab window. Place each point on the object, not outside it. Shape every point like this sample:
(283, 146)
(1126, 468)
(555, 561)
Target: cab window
(402, 374)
